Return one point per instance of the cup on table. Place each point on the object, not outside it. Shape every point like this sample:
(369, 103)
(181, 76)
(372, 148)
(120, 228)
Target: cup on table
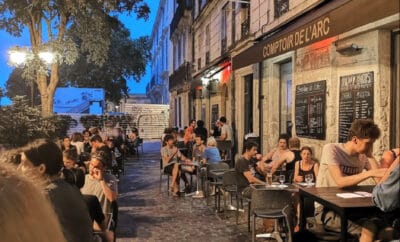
(309, 178)
(282, 179)
(268, 179)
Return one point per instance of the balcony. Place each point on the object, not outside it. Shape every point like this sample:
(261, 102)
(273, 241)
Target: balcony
(245, 28)
(223, 46)
(183, 6)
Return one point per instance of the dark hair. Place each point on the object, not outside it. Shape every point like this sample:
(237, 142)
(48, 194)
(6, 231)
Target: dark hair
(285, 137)
(99, 155)
(222, 119)
(168, 137)
(248, 145)
(191, 121)
(364, 129)
(306, 148)
(76, 137)
(202, 137)
(95, 138)
(71, 154)
(44, 151)
(74, 176)
(200, 123)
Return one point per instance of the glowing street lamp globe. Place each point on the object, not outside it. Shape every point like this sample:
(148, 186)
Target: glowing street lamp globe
(17, 57)
(46, 56)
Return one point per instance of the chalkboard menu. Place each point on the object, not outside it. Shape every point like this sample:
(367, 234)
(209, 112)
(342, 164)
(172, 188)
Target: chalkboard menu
(356, 100)
(310, 110)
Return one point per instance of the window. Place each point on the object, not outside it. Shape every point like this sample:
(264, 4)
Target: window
(207, 58)
(224, 24)
(285, 103)
(179, 112)
(248, 104)
(281, 7)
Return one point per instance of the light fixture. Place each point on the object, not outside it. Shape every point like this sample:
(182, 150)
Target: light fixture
(348, 50)
(17, 57)
(46, 56)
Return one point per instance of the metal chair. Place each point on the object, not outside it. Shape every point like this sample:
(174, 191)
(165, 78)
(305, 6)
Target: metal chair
(216, 181)
(139, 144)
(163, 173)
(268, 204)
(229, 184)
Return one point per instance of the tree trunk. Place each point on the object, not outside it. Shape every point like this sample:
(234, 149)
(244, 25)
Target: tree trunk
(47, 90)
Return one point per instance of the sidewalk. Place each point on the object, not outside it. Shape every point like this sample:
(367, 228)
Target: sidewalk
(147, 215)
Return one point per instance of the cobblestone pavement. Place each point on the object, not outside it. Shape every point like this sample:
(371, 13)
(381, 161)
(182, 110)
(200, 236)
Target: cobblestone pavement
(145, 214)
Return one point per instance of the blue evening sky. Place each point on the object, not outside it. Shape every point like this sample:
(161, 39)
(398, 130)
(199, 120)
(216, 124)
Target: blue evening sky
(136, 27)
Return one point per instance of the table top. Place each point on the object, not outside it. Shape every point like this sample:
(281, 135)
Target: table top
(277, 186)
(327, 195)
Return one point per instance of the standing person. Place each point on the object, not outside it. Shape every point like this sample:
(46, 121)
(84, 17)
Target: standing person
(342, 165)
(226, 130)
(26, 214)
(77, 141)
(189, 132)
(200, 130)
(86, 141)
(44, 158)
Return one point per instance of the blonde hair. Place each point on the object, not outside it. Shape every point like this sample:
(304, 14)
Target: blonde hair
(25, 214)
(211, 141)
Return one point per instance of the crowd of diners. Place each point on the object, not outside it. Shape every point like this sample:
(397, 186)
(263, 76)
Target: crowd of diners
(341, 165)
(61, 190)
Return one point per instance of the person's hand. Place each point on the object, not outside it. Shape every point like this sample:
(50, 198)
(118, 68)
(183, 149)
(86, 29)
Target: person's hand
(258, 157)
(299, 179)
(97, 174)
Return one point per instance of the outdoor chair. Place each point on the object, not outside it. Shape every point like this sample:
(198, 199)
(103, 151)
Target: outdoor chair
(215, 181)
(268, 204)
(163, 173)
(229, 184)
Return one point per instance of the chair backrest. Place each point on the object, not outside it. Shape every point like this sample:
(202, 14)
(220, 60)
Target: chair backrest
(218, 166)
(161, 164)
(229, 178)
(140, 141)
(270, 199)
(289, 218)
(114, 209)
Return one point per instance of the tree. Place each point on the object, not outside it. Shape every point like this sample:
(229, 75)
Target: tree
(16, 85)
(49, 22)
(126, 58)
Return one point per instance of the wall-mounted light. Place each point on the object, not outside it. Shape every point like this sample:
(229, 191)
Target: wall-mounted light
(350, 49)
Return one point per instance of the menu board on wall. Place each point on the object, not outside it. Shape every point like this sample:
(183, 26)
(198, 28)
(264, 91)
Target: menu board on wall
(310, 110)
(356, 100)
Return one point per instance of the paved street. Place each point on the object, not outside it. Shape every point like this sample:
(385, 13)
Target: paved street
(145, 214)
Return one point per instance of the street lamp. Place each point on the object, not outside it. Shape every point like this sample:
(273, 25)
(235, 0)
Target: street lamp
(19, 56)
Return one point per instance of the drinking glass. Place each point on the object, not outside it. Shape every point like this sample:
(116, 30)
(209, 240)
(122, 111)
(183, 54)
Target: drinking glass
(309, 179)
(269, 179)
(281, 179)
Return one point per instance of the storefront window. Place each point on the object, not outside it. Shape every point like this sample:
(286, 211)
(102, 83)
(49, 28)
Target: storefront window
(286, 98)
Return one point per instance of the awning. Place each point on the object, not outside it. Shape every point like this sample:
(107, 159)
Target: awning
(325, 21)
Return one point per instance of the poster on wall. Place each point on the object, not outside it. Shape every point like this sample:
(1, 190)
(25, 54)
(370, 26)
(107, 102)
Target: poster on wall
(310, 110)
(356, 100)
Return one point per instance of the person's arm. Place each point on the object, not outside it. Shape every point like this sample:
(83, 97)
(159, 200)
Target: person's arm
(347, 181)
(223, 135)
(269, 155)
(110, 194)
(316, 170)
(386, 194)
(251, 178)
(296, 177)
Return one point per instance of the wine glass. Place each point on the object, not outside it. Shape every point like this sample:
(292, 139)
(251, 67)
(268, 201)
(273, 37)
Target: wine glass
(309, 178)
(281, 179)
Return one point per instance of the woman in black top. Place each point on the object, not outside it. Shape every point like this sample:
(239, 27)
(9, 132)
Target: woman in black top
(305, 166)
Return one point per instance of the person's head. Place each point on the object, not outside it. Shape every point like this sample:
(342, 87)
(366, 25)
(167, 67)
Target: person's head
(70, 157)
(362, 135)
(199, 139)
(388, 157)
(26, 214)
(86, 135)
(66, 142)
(94, 130)
(96, 141)
(200, 123)
(43, 156)
(283, 141)
(222, 120)
(77, 137)
(97, 161)
(250, 148)
(192, 123)
(294, 143)
(211, 142)
(305, 153)
(169, 139)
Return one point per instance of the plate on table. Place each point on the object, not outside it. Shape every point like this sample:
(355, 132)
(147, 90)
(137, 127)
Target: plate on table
(305, 184)
(279, 185)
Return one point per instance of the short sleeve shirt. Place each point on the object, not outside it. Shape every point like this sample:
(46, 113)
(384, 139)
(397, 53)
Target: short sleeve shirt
(242, 165)
(335, 154)
(166, 151)
(226, 129)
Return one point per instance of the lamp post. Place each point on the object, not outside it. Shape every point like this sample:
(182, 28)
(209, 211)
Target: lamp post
(19, 56)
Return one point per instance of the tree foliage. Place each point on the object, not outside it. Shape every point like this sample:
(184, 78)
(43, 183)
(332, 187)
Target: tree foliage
(126, 58)
(21, 124)
(16, 85)
(49, 23)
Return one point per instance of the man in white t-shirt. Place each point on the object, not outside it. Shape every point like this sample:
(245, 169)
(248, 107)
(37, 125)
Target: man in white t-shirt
(226, 130)
(343, 164)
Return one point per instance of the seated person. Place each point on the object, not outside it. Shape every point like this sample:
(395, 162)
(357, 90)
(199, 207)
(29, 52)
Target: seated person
(198, 147)
(277, 157)
(170, 157)
(386, 197)
(342, 165)
(101, 184)
(305, 166)
(70, 159)
(388, 157)
(211, 152)
(44, 158)
(246, 170)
